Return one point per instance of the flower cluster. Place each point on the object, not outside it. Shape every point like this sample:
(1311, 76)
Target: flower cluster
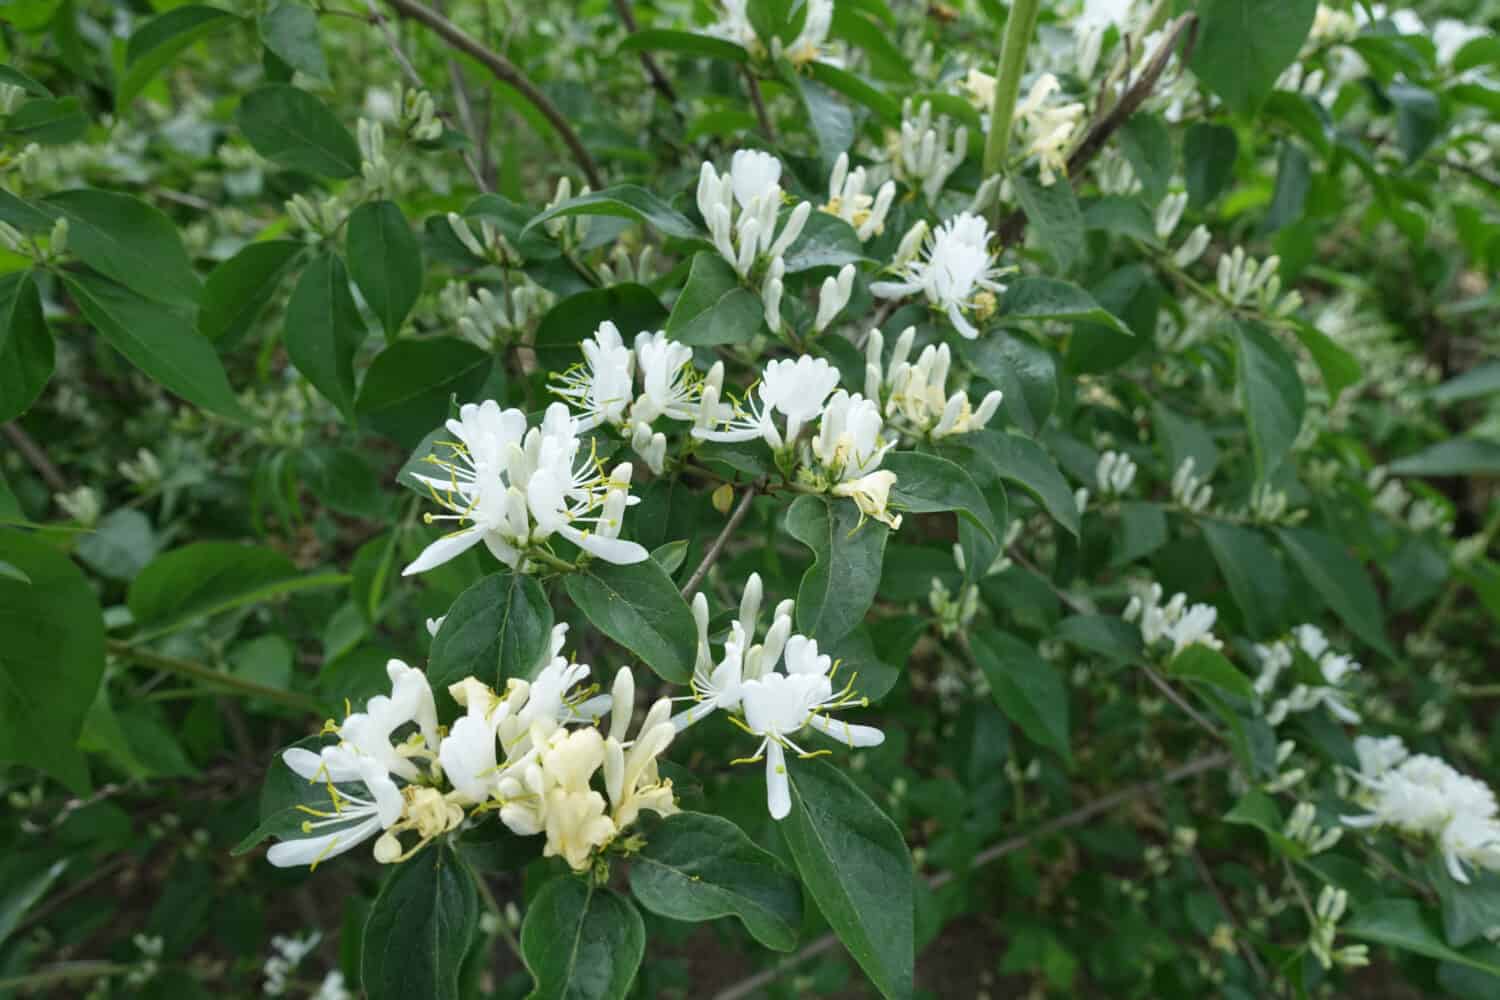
(740, 209)
(744, 683)
(1174, 624)
(530, 755)
(924, 153)
(1047, 129)
(847, 199)
(916, 398)
(734, 25)
(1422, 795)
(953, 268)
(602, 388)
(842, 458)
(513, 488)
(1326, 669)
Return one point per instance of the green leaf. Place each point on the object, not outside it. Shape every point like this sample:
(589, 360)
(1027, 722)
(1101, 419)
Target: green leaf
(297, 131)
(1270, 390)
(14, 77)
(1049, 298)
(1481, 381)
(1453, 457)
(409, 385)
(120, 546)
(826, 241)
(419, 928)
(158, 340)
(1208, 155)
(385, 262)
(160, 40)
(856, 88)
(324, 329)
(698, 867)
(625, 201)
(1243, 45)
(581, 942)
(1201, 664)
(1024, 372)
(1053, 210)
(48, 121)
(51, 659)
(1024, 462)
(1339, 580)
(1419, 118)
(497, 629)
(206, 578)
(1102, 635)
(857, 870)
(927, 484)
(832, 122)
(839, 587)
(239, 289)
(664, 40)
(126, 239)
(639, 607)
(1257, 809)
(26, 353)
(290, 30)
(1469, 911)
(343, 481)
(1340, 369)
(1255, 576)
(1147, 144)
(1028, 689)
(1404, 924)
(633, 308)
(26, 877)
(1143, 530)
(1293, 181)
(714, 308)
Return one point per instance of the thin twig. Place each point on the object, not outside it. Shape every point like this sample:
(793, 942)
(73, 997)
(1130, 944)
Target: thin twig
(507, 73)
(653, 70)
(717, 548)
(989, 855)
(197, 671)
(1241, 937)
(35, 456)
(1015, 223)
(1181, 702)
(753, 86)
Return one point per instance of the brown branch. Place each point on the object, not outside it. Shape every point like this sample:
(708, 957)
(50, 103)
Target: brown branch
(35, 456)
(507, 73)
(717, 548)
(753, 86)
(1077, 817)
(1015, 223)
(1246, 948)
(648, 62)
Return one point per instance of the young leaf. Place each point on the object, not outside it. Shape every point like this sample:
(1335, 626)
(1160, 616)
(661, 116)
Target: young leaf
(297, 131)
(51, 659)
(857, 871)
(324, 329)
(839, 586)
(1028, 689)
(419, 928)
(581, 942)
(160, 40)
(699, 867)
(639, 607)
(385, 262)
(497, 629)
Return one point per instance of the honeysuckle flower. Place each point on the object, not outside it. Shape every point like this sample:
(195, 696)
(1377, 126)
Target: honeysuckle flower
(717, 685)
(916, 398)
(734, 25)
(818, 19)
(871, 493)
(351, 818)
(1047, 130)
(794, 388)
(631, 778)
(667, 386)
(1173, 622)
(779, 706)
(1114, 473)
(848, 201)
(368, 733)
(601, 388)
(956, 273)
(925, 153)
(1188, 490)
(513, 488)
(979, 87)
(576, 823)
(741, 206)
(833, 297)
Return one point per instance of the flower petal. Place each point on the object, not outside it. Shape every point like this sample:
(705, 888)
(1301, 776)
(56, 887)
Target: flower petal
(445, 548)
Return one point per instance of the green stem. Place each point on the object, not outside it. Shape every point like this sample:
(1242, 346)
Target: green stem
(551, 561)
(200, 672)
(1019, 28)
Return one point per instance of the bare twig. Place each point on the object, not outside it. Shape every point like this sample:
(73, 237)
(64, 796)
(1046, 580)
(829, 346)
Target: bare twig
(753, 86)
(35, 456)
(1171, 693)
(653, 70)
(717, 548)
(208, 675)
(989, 855)
(1015, 223)
(507, 73)
(1246, 948)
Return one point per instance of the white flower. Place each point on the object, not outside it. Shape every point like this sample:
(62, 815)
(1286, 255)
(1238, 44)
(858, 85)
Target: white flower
(848, 201)
(368, 733)
(833, 297)
(718, 685)
(741, 206)
(515, 488)
(601, 386)
(631, 779)
(1174, 621)
(1047, 130)
(815, 27)
(667, 387)
(871, 493)
(1114, 473)
(351, 819)
(850, 442)
(980, 88)
(916, 395)
(734, 25)
(924, 154)
(1188, 490)
(575, 823)
(794, 388)
(778, 706)
(957, 273)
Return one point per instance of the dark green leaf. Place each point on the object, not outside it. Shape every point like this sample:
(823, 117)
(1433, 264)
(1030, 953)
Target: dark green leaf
(48, 121)
(633, 308)
(126, 239)
(627, 202)
(1048, 298)
(291, 31)
(1270, 390)
(664, 40)
(162, 39)
(419, 928)
(205, 578)
(1028, 689)
(1256, 577)
(1340, 580)
(1293, 181)
(839, 586)
(1453, 457)
(1116, 640)
(832, 122)
(927, 483)
(239, 289)
(857, 870)
(1209, 666)
(1404, 924)
(1024, 372)
(1208, 155)
(1147, 144)
(385, 262)
(25, 878)
(410, 384)
(26, 355)
(1024, 462)
(1053, 210)
(497, 629)
(826, 241)
(1340, 369)
(324, 329)
(581, 942)
(297, 131)
(1243, 45)
(714, 308)
(639, 607)
(698, 867)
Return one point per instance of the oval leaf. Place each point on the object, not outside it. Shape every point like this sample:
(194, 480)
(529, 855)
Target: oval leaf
(581, 942)
(497, 629)
(639, 607)
(419, 929)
